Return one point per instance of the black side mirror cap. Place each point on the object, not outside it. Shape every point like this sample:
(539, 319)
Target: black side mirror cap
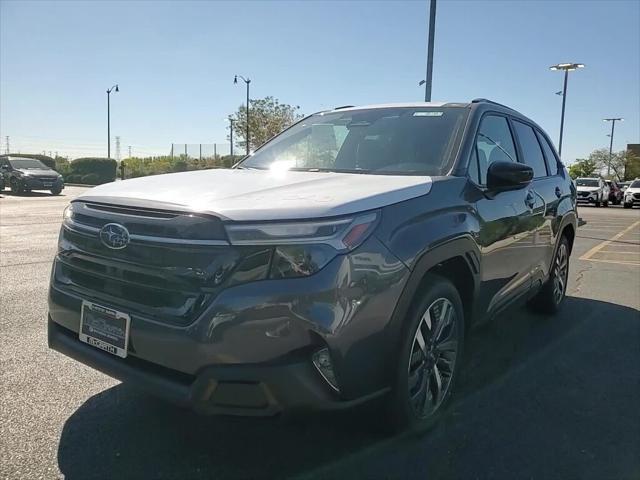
(508, 175)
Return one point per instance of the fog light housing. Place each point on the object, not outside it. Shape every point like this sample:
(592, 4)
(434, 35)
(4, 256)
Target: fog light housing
(322, 362)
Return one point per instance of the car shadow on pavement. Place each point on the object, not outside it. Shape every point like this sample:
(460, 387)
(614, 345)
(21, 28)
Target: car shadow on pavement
(539, 397)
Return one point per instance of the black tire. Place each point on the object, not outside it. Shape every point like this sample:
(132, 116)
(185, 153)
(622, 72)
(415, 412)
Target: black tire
(605, 203)
(628, 205)
(56, 191)
(549, 299)
(597, 203)
(435, 363)
(16, 188)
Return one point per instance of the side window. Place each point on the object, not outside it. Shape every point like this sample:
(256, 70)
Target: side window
(494, 143)
(552, 161)
(531, 150)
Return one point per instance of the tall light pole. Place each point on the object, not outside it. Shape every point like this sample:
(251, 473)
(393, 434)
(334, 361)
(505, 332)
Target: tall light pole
(432, 32)
(112, 89)
(567, 67)
(613, 126)
(247, 82)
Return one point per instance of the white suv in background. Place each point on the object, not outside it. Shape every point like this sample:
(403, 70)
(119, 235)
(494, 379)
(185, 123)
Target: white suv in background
(593, 190)
(632, 194)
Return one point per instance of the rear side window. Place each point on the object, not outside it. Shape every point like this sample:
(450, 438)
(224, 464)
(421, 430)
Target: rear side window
(552, 162)
(531, 149)
(494, 143)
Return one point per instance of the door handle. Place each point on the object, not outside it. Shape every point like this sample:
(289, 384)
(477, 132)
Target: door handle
(558, 192)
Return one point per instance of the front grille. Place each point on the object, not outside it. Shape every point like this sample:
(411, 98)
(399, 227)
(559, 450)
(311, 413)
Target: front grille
(583, 194)
(636, 195)
(169, 272)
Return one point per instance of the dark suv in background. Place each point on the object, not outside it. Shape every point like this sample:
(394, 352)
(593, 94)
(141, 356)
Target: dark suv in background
(25, 174)
(343, 261)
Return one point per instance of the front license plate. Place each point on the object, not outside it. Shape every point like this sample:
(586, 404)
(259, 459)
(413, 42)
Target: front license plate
(105, 328)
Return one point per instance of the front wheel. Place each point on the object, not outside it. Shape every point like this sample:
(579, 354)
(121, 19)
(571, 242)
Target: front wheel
(16, 188)
(628, 205)
(56, 190)
(550, 297)
(430, 356)
(605, 203)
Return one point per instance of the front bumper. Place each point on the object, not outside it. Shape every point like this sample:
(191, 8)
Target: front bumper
(34, 183)
(248, 390)
(253, 344)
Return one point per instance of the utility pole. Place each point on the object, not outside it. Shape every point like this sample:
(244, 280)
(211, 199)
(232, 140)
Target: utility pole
(117, 149)
(129, 151)
(432, 33)
(7, 145)
(613, 126)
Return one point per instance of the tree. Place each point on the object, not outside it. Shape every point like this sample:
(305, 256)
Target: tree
(630, 165)
(267, 117)
(583, 167)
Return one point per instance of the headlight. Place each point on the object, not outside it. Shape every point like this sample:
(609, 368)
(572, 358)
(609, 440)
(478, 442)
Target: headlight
(303, 248)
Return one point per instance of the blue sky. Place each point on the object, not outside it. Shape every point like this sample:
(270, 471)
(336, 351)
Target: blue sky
(175, 63)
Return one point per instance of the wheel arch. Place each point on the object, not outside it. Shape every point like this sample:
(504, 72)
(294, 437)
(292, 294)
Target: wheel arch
(458, 261)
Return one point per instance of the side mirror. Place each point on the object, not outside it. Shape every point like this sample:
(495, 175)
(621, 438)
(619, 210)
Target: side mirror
(508, 175)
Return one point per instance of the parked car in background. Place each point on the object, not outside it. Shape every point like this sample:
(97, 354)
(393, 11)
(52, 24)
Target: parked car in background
(343, 261)
(624, 185)
(25, 174)
(615, 193)
(592, 190)
(632, 194)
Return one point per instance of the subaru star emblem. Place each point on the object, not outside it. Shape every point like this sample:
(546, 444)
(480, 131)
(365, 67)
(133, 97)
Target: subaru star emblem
(114, 235)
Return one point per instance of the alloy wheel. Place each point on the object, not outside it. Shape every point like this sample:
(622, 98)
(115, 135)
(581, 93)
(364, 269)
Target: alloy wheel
(433, 356)
(561, 273)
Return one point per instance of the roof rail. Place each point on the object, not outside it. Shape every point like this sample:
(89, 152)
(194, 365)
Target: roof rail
(486, 100)
(344, 106)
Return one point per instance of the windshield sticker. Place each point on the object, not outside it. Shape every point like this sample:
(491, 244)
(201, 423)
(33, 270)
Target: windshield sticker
(428, 114)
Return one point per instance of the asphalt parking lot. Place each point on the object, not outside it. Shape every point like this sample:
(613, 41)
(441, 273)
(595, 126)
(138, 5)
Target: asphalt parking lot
(539, 397)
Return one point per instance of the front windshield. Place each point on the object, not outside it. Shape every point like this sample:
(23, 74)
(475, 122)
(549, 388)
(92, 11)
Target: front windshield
(27, 163)
(587, 182)
(401, 140)
(635, 184)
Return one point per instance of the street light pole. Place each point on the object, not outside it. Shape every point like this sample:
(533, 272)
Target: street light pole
(432, 32)
(567, 67)
(115, 89)
(613, 126)
(247, 81)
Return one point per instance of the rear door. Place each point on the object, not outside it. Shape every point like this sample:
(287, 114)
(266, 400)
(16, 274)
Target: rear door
(505, 218)
(544, 187)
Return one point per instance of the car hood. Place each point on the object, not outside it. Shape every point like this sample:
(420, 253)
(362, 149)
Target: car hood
(250, 195)
(37, 172)
(588, 189)
(632, 190)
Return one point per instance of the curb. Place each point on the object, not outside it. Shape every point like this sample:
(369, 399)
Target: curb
(78, 185)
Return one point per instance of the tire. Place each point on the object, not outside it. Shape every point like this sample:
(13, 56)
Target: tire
(16, 188)
(605, 203)
(553, 292)
(628, 205)
(56, 191)
(417, 406)
(597, 203)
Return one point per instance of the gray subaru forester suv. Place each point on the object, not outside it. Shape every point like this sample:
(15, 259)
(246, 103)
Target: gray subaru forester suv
(342, 262)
